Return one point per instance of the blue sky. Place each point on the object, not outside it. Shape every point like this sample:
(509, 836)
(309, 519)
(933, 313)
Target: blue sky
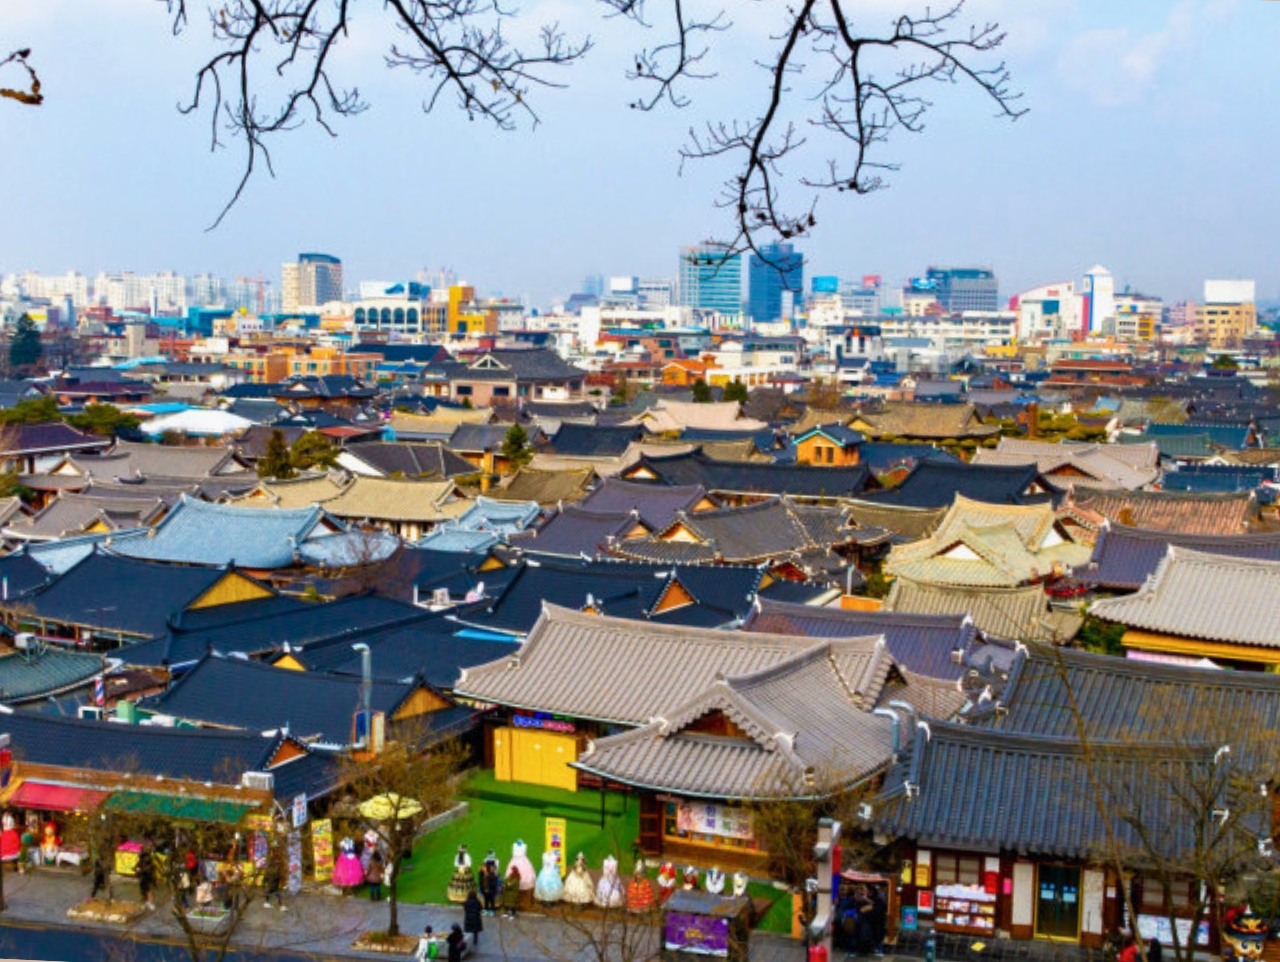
(1148, 148)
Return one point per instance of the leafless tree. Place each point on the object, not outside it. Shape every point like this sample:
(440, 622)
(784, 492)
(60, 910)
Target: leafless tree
(838, 88)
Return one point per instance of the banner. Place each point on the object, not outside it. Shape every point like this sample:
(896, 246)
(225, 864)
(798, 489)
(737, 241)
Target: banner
(322, 848)
(295, 863)
(704, 818)
(697, 934)
(557, 828)
(300, 810)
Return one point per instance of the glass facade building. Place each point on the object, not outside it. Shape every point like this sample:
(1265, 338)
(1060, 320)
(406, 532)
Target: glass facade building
(777, 269)
(711, 279)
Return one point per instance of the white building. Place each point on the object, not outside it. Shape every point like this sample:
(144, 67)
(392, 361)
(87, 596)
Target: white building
(1099, 293)
(1048, 311)
(1230, 292)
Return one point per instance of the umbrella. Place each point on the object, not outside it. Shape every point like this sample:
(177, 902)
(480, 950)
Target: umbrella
(382, 808)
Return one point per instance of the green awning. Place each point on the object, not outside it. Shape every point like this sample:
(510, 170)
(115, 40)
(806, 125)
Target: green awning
(178, 806)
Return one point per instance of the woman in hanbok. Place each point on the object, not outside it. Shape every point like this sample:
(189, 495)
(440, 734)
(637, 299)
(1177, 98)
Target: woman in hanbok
(739, 884)
(549, 887)
(715, 881)
(463, 881)
(667, 878)
(639, 891)
(520, 862)
(577, 887)
(609, 890)
(347, 871)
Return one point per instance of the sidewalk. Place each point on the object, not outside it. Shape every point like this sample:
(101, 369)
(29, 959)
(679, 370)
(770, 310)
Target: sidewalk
(326, 925)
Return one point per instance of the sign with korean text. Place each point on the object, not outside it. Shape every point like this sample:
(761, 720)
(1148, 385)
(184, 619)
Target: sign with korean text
(548, 723)
(699, 934)
(556, 831)
(299, 809)
(322, 848)
(705, 818)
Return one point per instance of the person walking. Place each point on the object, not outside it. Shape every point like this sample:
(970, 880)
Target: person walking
(426, 945)
(187, 879)
(490, 883)
(457, 943)
(145, 872)
(374, 875)
(511, 892)
(99, 873)
(472, 921)
(273, 881)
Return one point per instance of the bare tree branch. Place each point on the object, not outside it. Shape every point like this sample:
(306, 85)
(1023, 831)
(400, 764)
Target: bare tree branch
(31, 96)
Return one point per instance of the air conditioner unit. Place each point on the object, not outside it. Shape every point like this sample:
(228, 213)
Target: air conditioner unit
(440, 596)
(261, 781)
(89, 712)
(24, 641)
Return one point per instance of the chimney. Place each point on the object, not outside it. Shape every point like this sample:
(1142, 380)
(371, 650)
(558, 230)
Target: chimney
(1033, 420)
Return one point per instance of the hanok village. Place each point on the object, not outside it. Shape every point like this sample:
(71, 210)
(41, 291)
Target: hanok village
(865, 672)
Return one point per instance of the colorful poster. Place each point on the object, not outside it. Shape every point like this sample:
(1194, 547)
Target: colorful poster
(322, 848)
(910, 918)
(300, 810)
(295, 863)
(557, 829)
(698, 934)
(704, 818)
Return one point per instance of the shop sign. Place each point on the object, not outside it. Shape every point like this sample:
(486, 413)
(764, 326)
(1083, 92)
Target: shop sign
(556, 832)
(300, 810)
(322, 848)
(924, 902)
(295, 863)
(705, 818)
(700, 934)
(910, 918)
(549, 723)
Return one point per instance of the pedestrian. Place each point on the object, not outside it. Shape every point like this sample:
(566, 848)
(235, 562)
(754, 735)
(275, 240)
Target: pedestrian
(187, 879)
(99, 873)
(1155, 951)
(374, 875)
(472, 923)
(273, 881)
(511, 892)
(879, 918)
(426, 946)
(1128, 948)
(489, 885)
(457, 943)
(145, 872)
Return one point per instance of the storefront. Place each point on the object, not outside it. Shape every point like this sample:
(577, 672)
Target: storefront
(537, 749)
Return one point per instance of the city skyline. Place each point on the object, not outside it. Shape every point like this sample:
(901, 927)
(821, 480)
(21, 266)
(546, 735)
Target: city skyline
(1156, 180)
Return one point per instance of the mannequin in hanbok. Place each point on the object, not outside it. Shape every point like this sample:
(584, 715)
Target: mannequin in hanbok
(739, 884)
(715, 881)
(639, 891)
(690, 880)
(577, 887)
(609, 890)
(667, 879)
(463, 881)
(549, 887)
(347, 871)
(520, 862)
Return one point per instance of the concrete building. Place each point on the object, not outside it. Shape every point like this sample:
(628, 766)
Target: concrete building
(1048, 311)
(1228, 314)
(775, 282)
(311, 280)
(711, 280)
(1099, 292)
(1138, 317)
(965, 288)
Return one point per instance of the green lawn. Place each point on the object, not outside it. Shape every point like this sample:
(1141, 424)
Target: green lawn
(502, 812)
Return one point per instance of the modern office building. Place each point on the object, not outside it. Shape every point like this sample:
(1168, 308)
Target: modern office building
(711, 279)
(965, 288)
(311, 280)
(773, 274)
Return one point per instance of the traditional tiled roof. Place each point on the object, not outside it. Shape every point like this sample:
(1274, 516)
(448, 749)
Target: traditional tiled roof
(131, 460)
(524, 364)
(1017, 614)
(391, 499)
(196, 532)
(674, 416)
(20, 573)
(944, 792)
(1209, 478)
(1193, 594)
(502, 517)
(233, 693)
(593, 441)
(933, 421)
(932, 484)
(405, 459)
(47, 438)
(746, 478)
(291, 495)
(981, 544)
(884, 456)
(753, 533)
(805, 728)
(547, 487)
(1167, 511)
(1229, 436)
(909, 524)
(627, 672)
(1125, 557)
(458, 540)
(72, 514)
(1197, 446)
(1078, 465)
(933, 645)
(27, 676)
(844, 436)
(574, 531)
(816, 417)
(658, 505)
(708, 596)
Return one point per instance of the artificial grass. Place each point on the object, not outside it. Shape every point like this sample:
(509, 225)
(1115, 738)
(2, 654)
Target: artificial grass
(501, 813)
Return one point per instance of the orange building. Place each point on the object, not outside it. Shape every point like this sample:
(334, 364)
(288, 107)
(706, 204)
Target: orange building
(830, 444)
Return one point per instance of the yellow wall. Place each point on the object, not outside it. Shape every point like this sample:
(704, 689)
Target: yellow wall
(1195, 648)
(232, 588)
(421, 702)
(535, 757)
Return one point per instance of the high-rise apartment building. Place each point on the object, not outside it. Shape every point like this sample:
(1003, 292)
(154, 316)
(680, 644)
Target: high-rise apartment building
(311, 280)
(1228, 315)
(965, 288)
(711, 279)
(772, 274)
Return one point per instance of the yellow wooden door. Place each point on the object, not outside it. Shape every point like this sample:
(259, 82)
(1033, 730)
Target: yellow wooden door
(502, 738)
(542, 758)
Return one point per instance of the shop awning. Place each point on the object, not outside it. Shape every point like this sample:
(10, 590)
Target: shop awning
(56, 798)
(179, 806)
